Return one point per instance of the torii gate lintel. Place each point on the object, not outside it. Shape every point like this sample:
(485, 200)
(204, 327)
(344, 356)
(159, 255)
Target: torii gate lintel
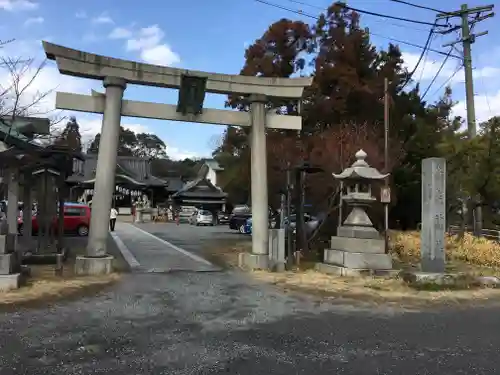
(116, 73)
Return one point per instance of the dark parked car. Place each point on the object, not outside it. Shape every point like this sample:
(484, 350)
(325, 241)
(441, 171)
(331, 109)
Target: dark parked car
(240, 215)
(223, 218)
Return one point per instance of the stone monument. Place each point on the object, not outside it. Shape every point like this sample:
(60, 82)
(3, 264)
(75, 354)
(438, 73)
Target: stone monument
(358, 248)
(432, 248)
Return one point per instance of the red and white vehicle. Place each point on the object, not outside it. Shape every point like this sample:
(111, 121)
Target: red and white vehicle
(76, 220)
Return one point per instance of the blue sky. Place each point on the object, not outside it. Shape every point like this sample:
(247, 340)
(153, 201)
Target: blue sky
(212, 36)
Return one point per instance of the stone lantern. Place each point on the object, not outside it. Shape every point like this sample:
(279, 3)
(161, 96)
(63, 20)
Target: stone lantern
(358, 248)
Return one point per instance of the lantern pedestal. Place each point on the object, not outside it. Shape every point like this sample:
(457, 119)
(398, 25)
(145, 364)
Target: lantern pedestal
(358, 249)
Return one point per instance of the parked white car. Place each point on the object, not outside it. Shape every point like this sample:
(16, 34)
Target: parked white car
(201, 217)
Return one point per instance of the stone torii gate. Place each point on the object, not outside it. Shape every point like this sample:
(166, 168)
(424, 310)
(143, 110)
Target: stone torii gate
(192, 85)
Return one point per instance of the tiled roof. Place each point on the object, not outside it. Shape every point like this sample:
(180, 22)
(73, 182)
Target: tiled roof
(136, 170)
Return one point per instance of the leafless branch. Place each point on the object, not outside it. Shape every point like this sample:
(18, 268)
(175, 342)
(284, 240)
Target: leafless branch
(16, 91)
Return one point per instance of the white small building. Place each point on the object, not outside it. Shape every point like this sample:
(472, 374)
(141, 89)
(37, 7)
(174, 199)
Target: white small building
(214, 170)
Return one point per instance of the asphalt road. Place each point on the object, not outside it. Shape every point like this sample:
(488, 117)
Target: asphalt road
(193, 238)
(227, 323)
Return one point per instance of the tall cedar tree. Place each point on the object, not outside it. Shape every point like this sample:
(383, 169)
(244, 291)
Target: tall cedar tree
(348, 88)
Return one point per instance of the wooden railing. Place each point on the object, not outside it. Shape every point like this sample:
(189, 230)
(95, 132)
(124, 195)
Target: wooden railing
(491, 234)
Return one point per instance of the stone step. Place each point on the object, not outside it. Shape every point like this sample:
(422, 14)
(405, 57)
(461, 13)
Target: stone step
(358, 232)
(358, 260)
(358, 245)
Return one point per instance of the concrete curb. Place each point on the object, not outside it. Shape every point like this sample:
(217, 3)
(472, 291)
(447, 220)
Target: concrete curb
(127, 255)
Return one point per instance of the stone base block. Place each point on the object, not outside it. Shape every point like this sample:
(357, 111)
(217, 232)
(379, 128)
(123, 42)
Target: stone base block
(93, 266)
(358, 260)
(358, 245)
(8, 243)
(357, 232)
(436, 265)
(253, 261)
(331, 269)
(9, 282)
(6, 264)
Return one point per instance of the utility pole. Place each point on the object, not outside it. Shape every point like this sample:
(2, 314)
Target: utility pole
(467, 39)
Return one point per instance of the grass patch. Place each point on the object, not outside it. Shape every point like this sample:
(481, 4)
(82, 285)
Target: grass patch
(372, 290)
(44, 286)
(479, 256)
(225, 255)
(41, 290)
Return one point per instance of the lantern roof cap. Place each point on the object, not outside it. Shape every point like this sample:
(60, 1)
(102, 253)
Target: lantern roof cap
(360, 169)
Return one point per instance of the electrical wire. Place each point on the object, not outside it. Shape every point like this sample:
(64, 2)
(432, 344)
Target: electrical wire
(424, 52)
(385, 22)
(343, 5)
(301, 13)
(391, 17)
(418, 6)
(425, 60)
(482, 83)
(459, 68)
(436, 75)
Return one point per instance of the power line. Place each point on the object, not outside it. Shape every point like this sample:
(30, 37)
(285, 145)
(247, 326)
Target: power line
(391, 17)
(424, 51)
(301, 13)
(459, 68)
(343, 5)
(425, 60)
(379, 21)
(418, 6)
(437, 75)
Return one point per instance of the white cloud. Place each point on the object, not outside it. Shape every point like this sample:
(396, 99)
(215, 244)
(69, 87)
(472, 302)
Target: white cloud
(90, 127)
(486, 106)
(18, 5)
(427, 71)
(147, 37)
(148, 41)
(33, 21)
(81, 14)
(103, 19)
(42, 88)
(175, 153)
(120, 33)
(160, 55)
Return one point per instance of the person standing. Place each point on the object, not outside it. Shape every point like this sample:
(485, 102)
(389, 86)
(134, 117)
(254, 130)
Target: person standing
(112, 218)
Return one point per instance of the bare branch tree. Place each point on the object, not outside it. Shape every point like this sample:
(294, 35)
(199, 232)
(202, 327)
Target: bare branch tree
(18, 96)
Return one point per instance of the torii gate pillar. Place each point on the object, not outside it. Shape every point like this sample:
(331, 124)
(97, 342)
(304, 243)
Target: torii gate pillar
(116, 73)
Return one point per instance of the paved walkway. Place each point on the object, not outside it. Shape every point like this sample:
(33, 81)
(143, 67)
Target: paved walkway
(146, 252)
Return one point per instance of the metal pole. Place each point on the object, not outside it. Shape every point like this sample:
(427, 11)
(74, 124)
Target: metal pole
(386, 160)
(289, 187)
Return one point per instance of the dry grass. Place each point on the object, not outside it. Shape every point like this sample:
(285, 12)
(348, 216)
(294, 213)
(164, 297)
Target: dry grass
(468, 250)
(45, 287)
(370, 290)
(226, 255)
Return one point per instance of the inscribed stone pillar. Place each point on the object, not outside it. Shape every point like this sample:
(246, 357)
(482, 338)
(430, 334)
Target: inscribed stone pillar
(433, 214)
(106, 165)
(260, 210)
